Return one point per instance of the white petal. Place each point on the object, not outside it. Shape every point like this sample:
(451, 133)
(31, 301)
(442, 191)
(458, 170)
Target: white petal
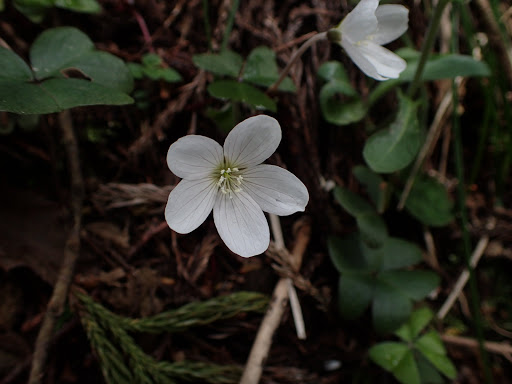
(360, 60)
(189, 204)
(241, 224)
(361, 22)
(388, 64)
(275, 189)
(393, 22)
(194, 157)
(252, 141)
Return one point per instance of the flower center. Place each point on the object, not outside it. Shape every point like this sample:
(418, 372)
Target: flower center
(230, 181)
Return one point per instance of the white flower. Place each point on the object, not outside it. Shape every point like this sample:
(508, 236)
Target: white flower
(233, 182)
(364, 31)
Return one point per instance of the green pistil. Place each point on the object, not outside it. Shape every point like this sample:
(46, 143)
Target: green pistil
(229, 181)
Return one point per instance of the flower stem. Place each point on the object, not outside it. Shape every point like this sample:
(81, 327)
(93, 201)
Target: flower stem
(308, 43)
(427, 46)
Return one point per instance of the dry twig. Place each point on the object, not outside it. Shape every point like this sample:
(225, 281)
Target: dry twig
(71, 252)
(263, 340)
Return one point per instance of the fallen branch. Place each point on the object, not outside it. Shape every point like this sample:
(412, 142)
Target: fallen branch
(71, 252)
(504, 349)
(263, 340)
(463, 278)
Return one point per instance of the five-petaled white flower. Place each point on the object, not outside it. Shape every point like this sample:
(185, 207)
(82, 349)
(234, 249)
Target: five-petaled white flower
(364, 31)
(233, 182)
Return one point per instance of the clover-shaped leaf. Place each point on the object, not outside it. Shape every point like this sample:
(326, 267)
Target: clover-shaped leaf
(372, 227)
(261, 69)
(235, 91)
(374, 276)
(425, 354)
(56, 56)
(377, 189)
(394, 148)
(339, 101)
(429, 202)
(153, 69)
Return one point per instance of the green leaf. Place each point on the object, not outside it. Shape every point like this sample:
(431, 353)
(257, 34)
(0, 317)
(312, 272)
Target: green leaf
(85, 6)
(418, 320)
(446, 67)
(373, 229)
(429, 202)
(261, 69)
(13, 66)
(104, 69)
(398, 359)
(398, 253)
(355, 292)
(69, 93)
(372, 226)
(390, 150)
(428, 373)
(376, 187)
(55, 53)
(333, 70)
(346, 253)
(432, 348)
(136, 70)
(224, 118)
(352, 203)
(226, 63)
(391, 308)
(25, 98)
(151, 60)
(34, 10)
(415, 285)
(166, 74)
(235, 91)
(56, 48)
(341, 104)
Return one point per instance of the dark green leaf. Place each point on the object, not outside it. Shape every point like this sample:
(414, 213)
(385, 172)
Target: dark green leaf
(341, 104)
(446, 67)
(25, 98)
(55, 48)
(235, 91)
(166, 74)
(346, 253)
(34, 10)
(418, 320)
(261, 69)
(104, 69)
(398, 253)
(333, 70)
(376, 187)
(413, 284)
(391, 308)
(428, 373)
(429, 202)
(70, 93)
(393, 149)
(352, 203)
(136, 70)
(151, 60)
(432, 348)
(355, 292)
(396, 358)
(86, 6)
(373, 229)
(224, 118)
(13, 67)
(225, 63)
